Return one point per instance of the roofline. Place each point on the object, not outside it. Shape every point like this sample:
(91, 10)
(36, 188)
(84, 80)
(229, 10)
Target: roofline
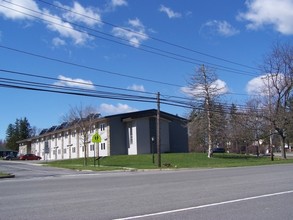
(148, 112)
(135, 114)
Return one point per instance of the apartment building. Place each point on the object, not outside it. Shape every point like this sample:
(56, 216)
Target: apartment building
(122, 134)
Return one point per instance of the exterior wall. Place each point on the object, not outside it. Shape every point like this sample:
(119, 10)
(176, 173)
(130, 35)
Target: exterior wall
(24, 148)
(66, 145)
(164, 131)
(120, 135)
(131, 137)
(117, 136)
(143, 144)
(103, 147)
(178, 137)
(74, 144)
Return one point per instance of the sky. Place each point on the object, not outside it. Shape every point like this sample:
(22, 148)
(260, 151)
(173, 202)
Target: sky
(116, 50)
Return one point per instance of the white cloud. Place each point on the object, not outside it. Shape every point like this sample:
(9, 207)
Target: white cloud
(58, 42)
(260, 85)
(109, 109)
(222, 28)
(136, 34)
(169, 12)
(277, 13)
(118, 3)
(20, 10)
(85, 15)
(218, 87)
(76, 83)
(15, 10)
(113, 4)
(55, 23)
(135, 87)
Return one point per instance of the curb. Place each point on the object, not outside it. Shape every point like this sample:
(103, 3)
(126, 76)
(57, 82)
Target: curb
(7, 176)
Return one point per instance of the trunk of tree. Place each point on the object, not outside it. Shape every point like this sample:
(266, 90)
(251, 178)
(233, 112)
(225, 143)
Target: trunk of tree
(283, 150)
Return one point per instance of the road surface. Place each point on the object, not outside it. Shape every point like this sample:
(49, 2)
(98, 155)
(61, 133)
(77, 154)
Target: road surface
(264, 192)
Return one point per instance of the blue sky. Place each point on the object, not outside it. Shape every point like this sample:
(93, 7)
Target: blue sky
(82, 44)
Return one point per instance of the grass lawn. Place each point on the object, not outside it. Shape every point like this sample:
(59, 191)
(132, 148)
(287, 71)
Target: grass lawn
(2, 174)
(5, 175)
(172, 160)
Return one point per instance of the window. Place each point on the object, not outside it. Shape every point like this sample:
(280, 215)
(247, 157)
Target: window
(82, 148)
(59, 151)
(103, 146)
(64, 151)
(92, 147)
(130, 133)
(102, 127)
(73, 150)
(92, 130)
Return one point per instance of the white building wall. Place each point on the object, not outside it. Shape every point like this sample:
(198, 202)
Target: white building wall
(103, 130)
(74, 144)
(66, 145)
(34, 147)
(131, 137)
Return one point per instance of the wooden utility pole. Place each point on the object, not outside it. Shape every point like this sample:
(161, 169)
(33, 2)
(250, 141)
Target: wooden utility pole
(158, 130)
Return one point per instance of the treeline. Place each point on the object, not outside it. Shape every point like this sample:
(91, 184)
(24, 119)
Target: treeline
(264, 122)
(20, 130)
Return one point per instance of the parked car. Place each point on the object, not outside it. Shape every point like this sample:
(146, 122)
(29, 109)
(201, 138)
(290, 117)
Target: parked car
(219, 150)
(29, 157)
(10, 157)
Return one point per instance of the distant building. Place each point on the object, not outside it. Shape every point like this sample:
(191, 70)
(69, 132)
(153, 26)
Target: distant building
(121, 134)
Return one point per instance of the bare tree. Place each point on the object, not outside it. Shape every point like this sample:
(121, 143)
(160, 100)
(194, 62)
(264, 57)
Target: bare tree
(83, 119)
(278, 65)
(204, 90)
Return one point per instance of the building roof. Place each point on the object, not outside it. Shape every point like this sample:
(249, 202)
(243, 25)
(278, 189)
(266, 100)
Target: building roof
(123, 116)
(147, 113)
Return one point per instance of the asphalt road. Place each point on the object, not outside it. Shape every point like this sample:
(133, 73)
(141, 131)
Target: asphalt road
(264, 192)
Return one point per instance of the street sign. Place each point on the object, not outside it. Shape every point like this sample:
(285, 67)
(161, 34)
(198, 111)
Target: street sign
(96, 138)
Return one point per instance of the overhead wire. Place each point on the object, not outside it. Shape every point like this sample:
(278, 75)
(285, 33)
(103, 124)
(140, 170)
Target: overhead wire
(157, 51)
(45, 87)
(144, 35)
(105, 71)
(174, 99)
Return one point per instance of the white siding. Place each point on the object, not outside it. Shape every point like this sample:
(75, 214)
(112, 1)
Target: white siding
(131, 138)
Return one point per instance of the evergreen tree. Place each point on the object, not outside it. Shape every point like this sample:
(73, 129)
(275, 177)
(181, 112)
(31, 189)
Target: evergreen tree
(20, 130)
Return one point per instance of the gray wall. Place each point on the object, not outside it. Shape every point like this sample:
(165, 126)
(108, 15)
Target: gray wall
(143, 136)
(117, 136)
(178, 137)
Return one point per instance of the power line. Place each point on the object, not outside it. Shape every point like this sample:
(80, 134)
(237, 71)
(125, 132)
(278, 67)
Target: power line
(44, 87)
(85, 67)
(92, 68)
(153, 50)
(144, 35)
(70, 81)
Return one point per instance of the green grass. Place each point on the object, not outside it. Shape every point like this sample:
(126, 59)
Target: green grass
(172, 160)
(4, 175)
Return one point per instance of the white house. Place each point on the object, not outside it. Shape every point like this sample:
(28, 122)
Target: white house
(121, 134)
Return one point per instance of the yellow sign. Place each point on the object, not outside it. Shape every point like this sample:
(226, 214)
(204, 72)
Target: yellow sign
(96, 138)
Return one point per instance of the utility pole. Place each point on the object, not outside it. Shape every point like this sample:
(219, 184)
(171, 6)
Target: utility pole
(158, 130)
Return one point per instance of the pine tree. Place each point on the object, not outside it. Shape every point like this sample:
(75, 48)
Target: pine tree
(20, 130)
